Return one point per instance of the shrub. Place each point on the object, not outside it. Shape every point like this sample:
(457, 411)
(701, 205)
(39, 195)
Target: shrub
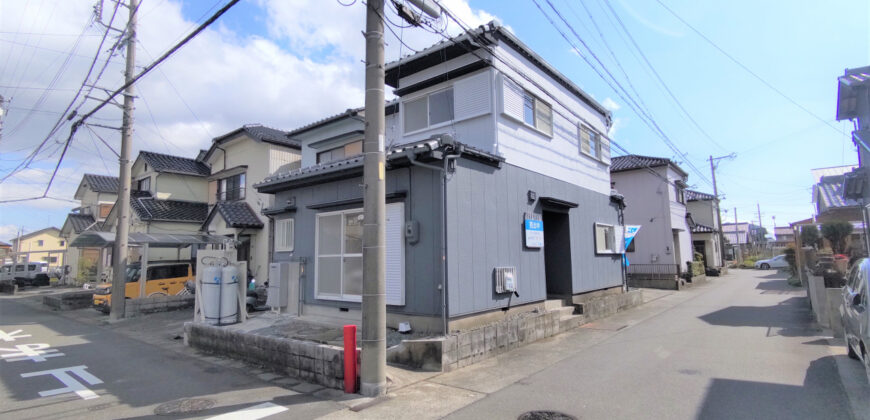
(836, 232)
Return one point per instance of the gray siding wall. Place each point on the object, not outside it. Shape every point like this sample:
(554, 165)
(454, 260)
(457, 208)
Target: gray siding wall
(422, 268)
(485, 230)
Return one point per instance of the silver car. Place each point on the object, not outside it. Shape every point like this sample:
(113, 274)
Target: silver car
(855, 314)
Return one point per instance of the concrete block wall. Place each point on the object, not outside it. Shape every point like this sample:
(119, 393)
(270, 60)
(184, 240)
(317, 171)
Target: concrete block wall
(312, 362)
(70, 300)
(141, 306)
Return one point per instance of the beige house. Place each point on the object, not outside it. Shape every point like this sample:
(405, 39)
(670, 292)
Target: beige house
(97, 195)
(44, 245)
(706, 234)
(238, 160)
(168, 195)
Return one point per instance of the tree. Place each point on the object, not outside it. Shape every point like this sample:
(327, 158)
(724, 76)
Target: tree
(837, 232)
(810, 235)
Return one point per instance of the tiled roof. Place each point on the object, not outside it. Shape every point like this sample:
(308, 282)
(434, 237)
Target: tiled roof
(151, 209)
(699, 228)
(630, 162)
(331, 118)
(175, 164)
(698, 196)
(354, 162)
(80, 222)
(830, 192)
(102, 183)
(237, 214)
(270, 135)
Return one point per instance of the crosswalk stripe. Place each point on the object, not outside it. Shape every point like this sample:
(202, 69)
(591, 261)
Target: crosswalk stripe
(255, 412)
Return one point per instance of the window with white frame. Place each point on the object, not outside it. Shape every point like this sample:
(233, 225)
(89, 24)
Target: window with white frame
(284, 235)
(537, 113)
(429, 110)
(338, 260)
(590, 142)
(605, 239)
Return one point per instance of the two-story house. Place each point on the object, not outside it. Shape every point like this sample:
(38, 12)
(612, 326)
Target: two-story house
(655, 197)
(706, 233)
(97, 195)
(742, 238)
(169, 195)
(45, 245)
(496, 169)
(237, 160)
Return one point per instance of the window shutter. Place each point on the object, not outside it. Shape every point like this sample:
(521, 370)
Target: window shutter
(471, 97)
(512, 99)
(395, 254)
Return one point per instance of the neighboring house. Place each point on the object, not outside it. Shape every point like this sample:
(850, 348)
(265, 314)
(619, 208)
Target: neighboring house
(833, 205)
(96, 194)
(747, 237)
(853, 103)
(784, 236)
(706, 234)
(237, 160)
(655, 198)
(169, 195)
(44, 245)
(521, 145)
(5, 253)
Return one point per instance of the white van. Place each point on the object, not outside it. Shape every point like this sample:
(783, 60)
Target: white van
(6, 272)
(30, 274)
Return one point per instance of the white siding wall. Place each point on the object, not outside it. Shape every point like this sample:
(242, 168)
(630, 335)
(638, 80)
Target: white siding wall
(558, 155)
(647, 205)
(283, 159)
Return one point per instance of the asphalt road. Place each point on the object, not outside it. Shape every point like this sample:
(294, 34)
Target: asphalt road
(744, 347)
(117, 376)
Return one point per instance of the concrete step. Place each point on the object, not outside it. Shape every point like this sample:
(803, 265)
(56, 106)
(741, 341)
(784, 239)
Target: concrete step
(553, 304)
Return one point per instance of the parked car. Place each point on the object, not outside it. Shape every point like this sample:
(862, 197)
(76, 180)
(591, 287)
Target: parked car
(26, 274)
(775, 262)
(163, 278)
(855, 314)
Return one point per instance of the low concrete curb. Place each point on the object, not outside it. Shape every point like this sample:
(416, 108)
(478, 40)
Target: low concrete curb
(459, 350)
(8, 288)
(69, 300)
(318, 363)
(142, 306)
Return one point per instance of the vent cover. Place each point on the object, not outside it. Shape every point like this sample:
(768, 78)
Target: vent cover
(505, 279)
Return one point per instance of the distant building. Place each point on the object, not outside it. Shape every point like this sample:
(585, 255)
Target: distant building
(44, 245)
(96, 194)
(784, 236)
(746, 237)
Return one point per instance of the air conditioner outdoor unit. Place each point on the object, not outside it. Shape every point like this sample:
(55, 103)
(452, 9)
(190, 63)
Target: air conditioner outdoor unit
(505, 279)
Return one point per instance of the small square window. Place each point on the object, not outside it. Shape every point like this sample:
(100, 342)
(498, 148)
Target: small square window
(40, 242)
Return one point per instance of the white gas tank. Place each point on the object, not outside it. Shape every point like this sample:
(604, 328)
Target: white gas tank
(229, 307)
(211, 293)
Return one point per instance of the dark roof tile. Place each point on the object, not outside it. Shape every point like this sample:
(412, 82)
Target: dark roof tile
(151, 209)
(175, 164)
(698, 196)
(102, 183)
(238, 214)
(81, 222)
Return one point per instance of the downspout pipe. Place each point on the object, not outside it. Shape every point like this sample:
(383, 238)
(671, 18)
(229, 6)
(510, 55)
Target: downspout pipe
(412, 158)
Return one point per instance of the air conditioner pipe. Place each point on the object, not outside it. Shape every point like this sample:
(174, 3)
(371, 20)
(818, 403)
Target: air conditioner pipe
(412, 157)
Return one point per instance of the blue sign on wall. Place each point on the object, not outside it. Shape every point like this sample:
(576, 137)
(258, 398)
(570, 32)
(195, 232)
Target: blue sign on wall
(534, 229)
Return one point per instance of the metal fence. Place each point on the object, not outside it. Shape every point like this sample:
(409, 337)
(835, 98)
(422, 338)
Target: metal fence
(653, 270)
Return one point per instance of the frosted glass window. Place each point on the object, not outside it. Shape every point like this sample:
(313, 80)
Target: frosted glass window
(329, 275)
(329, 235)
(416, 115)
(441, 107)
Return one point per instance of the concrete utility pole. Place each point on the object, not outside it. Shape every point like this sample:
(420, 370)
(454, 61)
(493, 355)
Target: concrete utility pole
(119, 266)
(718, 213)
(373, 379)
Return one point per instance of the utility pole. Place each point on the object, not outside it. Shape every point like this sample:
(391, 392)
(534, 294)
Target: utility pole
(119, 266)
(739, 253)
(759, 239)
(373, 363)
(718, 212)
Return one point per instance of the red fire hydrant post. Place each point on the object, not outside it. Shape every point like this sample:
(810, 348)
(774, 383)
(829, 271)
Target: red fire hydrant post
(350, 359)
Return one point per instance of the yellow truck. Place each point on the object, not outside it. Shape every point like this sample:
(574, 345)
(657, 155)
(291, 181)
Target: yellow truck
(163, 279)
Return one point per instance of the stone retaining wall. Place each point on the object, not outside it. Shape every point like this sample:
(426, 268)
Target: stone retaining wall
(138, 307)
(70, 300)
(318, 363)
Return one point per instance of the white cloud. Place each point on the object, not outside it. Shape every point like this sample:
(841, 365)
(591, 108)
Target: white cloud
(610, 104)
(8, 232)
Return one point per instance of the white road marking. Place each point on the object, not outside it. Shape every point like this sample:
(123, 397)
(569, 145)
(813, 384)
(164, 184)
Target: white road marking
(72, 385)
(33, 352)
(12, 336)
(258, 411)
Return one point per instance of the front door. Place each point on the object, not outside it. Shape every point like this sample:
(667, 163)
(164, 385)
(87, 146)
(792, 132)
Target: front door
(557, 253)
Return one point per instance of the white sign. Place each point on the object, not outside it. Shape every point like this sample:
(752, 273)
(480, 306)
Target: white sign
(534, 228)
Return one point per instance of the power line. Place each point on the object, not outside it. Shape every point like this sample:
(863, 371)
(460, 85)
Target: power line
(748, 70)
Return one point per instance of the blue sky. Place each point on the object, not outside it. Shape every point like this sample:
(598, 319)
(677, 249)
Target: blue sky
(266, 62)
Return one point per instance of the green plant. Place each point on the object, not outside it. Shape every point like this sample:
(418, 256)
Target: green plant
(810, 236)
(790, 258)
(699, 256)
(836, 232)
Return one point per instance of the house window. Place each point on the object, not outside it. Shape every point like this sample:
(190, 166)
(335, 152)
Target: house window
(104, 210)
(340, 152)
(231, 188)
(590, 142)
(338, 261)
(40, 242)
(429, 110)
(537, 113)
(144, 184)
(284, 235)
(52, 260)
(62, 243)
(605, 239)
